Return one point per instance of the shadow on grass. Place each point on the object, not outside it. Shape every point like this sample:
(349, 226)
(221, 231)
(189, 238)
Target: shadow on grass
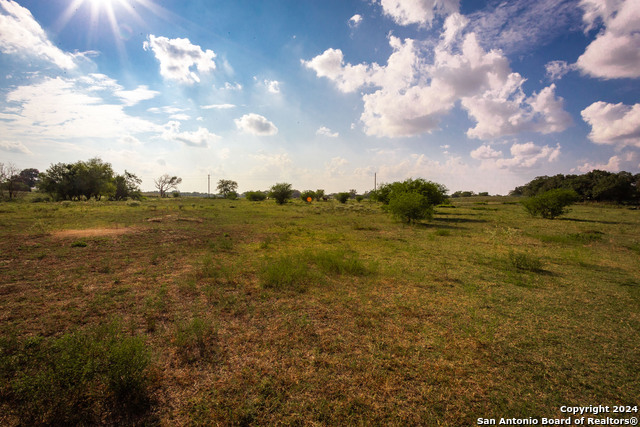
(459, 220)
(431, 225)
(594, 221)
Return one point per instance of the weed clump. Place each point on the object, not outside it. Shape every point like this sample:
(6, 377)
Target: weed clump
(524, 261)
(78, 378)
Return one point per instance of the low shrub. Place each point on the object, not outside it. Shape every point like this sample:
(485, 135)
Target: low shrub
(281, 192)
(80, 378)
(343, 197)
(550, 204)
(255, 196)
(196, 340)
(524, 261)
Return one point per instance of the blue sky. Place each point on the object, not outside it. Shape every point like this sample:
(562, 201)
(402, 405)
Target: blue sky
(480, 96)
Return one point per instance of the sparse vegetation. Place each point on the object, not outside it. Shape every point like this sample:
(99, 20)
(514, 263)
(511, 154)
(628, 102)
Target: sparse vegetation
(231, 316)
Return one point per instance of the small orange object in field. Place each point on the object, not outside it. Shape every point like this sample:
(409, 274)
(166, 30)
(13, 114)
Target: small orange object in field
(309, 199)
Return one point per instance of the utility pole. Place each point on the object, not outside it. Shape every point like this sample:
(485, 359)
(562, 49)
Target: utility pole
(375, 181)
(208, 185)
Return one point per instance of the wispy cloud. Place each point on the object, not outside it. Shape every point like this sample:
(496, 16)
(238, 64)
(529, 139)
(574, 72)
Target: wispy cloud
(20, 34)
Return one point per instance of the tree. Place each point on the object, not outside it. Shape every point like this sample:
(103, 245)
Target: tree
(281, 192)
(30, 177)
(127, 186)
(227, 188)
(320, 194)
(166, 183)
(410, 206)
(343, 197)
(10, 181)
(550, 204)
(305, 195)
(434, 192)
(73, 181)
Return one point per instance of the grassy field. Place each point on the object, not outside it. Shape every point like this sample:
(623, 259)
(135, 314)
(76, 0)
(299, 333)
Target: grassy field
(215, 312)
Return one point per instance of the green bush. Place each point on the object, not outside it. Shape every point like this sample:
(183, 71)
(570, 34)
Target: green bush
(255, 196)
(343, 197)
(550, 204)
(281, 192)
(435, 193)
(410, 206)
(308, 193)
(80, 378)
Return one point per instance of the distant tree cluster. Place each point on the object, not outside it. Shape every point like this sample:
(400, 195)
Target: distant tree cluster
(468, 194)
(85, 180)
(550, 204)
(411, 200)
(13, 182)
(597, 185)
(228, 188)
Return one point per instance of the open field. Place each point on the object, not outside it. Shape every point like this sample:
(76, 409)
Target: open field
(205, 312)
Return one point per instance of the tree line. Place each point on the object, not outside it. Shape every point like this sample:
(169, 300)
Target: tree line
(597, 185)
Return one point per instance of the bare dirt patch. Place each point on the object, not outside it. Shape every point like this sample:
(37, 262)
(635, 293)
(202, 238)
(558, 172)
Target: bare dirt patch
(94, 232)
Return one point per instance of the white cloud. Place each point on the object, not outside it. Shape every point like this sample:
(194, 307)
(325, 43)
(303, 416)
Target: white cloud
(412, 93)
(613, 124)
(129, 140)
(406, 12)
(325, 131)
(14, 147)
(182, 117)
(613, 165)
(485, 152)
(523, 156)
(20, 34)
(218, 107)
(256, 124)
(178, 57)
(232, 86)
(132, 97)
(200, 138)
(614, 53)
(273, 86)
(508, 112)
(516, 26)
(166, 109)
(70, 108)
(330, 64)
(355, 20)
(558, 69)
(336, 166)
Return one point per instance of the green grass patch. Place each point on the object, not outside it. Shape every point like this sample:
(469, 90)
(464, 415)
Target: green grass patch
(80, 378)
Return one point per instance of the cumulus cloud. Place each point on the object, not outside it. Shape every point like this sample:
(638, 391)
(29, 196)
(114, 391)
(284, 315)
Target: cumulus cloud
(256, 124)
(199, 138)
(613, 165)
(485, 152)
(273, 86)
(232, 86)
(416, 88)
(355, 20)
(523, 156)
(20, 34)
(179, 59)
(325, 131)
(406, 12)
(613, 124)
(614, 53)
